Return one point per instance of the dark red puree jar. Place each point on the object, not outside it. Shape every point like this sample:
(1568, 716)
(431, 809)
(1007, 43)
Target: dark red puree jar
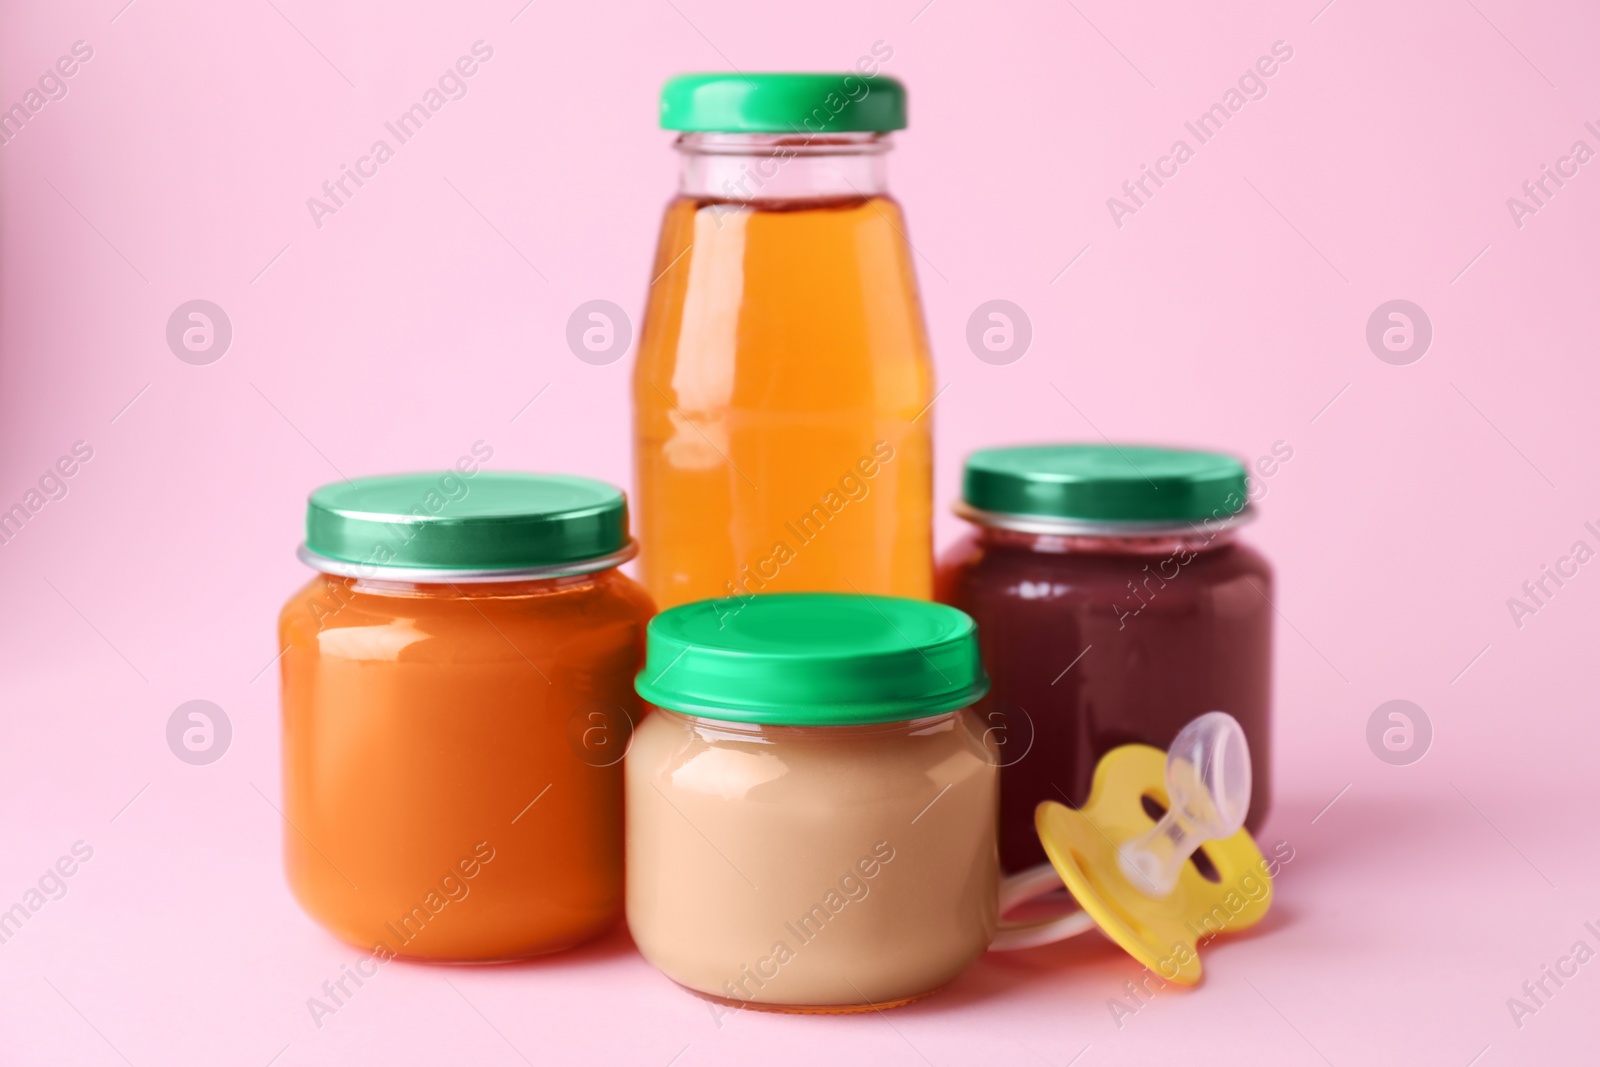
(1114, 604)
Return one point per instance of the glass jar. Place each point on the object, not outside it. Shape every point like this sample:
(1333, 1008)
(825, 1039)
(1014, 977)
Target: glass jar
(781, 393)
(457, 693)
(1114, 604)
(811, 811)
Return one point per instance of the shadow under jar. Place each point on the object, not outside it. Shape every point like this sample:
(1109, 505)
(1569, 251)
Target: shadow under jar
(811, 809)
(457, 696)
(1114, 604)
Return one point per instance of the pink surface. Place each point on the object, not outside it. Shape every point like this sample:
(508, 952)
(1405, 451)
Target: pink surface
(1230, 309)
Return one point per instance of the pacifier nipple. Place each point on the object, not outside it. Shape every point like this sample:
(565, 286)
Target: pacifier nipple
(1208, 784)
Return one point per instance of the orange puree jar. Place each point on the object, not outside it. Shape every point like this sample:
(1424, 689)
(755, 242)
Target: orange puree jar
(457, 698)
(783, 436)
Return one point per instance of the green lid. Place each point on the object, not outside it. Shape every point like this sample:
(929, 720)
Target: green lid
(488, 521)
(812, 659)
(783, 103)
(1105, 483)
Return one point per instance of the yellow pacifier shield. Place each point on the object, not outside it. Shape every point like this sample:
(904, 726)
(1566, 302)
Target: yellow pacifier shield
(1163, 933)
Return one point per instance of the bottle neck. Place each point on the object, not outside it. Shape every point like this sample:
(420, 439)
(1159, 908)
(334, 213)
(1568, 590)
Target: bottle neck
(763, 168)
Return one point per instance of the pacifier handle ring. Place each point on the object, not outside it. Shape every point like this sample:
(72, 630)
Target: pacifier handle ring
(1028, 885)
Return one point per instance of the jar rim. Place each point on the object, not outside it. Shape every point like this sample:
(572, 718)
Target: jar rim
(764, 728)
(1062, 527)
(449, 576)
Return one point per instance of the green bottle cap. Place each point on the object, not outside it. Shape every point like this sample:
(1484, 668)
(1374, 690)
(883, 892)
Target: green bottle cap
(1109, 484)
(445, 525)
(812, 659)
(783, 103)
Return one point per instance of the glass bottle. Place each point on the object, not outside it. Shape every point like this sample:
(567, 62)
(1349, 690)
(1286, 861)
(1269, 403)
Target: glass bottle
(782, 388)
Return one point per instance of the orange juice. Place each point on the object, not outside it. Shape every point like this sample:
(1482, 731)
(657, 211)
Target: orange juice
(783, 381)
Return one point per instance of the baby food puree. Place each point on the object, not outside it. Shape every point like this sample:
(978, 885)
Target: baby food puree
(457, 693)
(811, 811)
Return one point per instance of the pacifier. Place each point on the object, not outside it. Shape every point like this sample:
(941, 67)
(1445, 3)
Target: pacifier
(1157, 858)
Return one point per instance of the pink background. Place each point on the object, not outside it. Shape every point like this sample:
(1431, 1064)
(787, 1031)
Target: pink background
(1230, 311)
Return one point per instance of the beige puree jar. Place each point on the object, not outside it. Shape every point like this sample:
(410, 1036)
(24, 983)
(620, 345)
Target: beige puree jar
(811, 810)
